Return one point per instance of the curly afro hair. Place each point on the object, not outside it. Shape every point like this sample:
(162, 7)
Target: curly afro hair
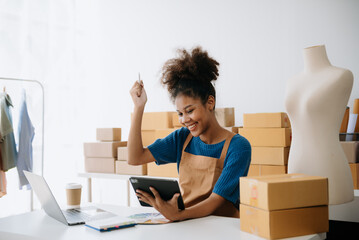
(190, 74)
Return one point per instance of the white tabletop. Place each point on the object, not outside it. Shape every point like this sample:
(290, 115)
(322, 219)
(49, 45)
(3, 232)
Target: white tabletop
(37, 225)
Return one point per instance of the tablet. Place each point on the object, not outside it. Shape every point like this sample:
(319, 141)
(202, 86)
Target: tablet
(165, 187)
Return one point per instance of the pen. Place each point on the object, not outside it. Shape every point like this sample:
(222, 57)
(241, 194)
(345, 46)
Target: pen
(139, 82)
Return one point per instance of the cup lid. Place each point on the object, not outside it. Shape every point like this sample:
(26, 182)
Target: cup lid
(73, 186)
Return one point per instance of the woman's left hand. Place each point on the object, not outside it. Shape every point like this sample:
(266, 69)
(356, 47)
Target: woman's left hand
(169, 209)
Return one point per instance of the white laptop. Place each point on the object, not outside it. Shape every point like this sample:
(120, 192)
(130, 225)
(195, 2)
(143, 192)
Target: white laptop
(49, 204)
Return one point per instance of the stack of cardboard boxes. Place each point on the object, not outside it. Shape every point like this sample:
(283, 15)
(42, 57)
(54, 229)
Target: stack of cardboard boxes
(157, 125)
(100, 156)
(270, 137)
(351, 150)
(122, 167)
(282, 206)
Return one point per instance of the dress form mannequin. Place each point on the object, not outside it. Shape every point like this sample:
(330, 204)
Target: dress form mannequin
(315, 101)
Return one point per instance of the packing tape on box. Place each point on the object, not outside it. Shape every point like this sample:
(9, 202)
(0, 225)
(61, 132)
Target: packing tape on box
(253, 186)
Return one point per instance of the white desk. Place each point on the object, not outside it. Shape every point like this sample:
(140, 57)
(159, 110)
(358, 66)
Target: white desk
(90, 176)
(37, 225)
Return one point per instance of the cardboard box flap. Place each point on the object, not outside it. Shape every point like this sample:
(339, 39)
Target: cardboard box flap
(293, 177)
(266, 120)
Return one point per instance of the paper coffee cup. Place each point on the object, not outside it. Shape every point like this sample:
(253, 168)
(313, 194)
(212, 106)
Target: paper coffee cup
(73, 193)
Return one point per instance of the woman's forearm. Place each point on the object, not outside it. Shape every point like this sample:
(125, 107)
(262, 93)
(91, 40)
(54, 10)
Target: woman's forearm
(134, 144)
(202, 209)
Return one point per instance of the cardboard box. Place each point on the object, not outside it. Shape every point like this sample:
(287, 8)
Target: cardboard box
(284, 223)
(232, 129)
(264, 170)
(164, 170)
(108, 134)
(150, 136)
(354, 168)
(267, 137)
(345, 121)
(266, 120)
(100, 165)
(175, 120)
(162, 133)
(122, 167)
(225, 116)
(284, 191)
(270, 155)
(356, 111)
(122, 153)
(157, 120)
(351, 150)
(102, 149)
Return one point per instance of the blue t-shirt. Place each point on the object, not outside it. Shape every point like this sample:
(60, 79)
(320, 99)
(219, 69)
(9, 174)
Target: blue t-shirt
(236, 162)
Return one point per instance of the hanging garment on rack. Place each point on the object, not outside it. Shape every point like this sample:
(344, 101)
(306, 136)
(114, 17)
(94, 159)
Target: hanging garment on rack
(26, 135)
(7, 141)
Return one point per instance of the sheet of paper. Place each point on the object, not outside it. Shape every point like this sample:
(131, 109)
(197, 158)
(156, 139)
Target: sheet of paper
(149, 218)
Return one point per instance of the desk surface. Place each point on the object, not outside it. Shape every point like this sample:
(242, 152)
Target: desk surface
(37, 225)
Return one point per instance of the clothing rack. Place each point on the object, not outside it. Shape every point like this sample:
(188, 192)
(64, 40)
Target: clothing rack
(43, 122)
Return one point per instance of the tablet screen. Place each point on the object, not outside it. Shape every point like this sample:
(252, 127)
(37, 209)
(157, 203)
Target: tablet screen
(165, 187)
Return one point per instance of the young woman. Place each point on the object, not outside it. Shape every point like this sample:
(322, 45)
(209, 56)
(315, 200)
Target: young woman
(209, 158)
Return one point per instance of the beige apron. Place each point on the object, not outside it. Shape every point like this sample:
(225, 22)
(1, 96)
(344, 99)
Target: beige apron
(199, 174)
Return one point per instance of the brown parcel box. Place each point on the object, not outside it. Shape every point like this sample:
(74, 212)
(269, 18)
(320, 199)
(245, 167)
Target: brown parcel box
(164, 170)
(175, 120)
(284, 223)
(225, 116)
(156, 120)
(108, 134)
(102, 149)
(351, 150)
(283, 191)
(267, 137)
(266, 120)
(122, 167)
(354, 168)
(150, 136)
(232, 129)
(344, 125)
(100, 165)
(263, 170)
(162, 133)
(270, 155)
(122, 153)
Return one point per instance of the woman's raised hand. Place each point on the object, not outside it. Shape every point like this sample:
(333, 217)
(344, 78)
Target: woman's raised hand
(138, 94)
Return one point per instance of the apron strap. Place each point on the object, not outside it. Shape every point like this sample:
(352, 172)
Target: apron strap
(188, 139)
(225, 148)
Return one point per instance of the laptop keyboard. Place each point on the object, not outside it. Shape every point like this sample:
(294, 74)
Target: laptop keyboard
(74, 215)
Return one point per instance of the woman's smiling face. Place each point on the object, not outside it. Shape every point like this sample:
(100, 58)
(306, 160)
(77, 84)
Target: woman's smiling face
(193, 114)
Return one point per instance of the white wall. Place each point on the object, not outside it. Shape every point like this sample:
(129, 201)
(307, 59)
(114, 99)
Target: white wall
(88, 54)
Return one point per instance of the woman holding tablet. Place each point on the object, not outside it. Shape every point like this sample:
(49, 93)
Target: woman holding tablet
(209, 158)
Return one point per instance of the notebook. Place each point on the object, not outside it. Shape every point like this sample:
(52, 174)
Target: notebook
(109, 224)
